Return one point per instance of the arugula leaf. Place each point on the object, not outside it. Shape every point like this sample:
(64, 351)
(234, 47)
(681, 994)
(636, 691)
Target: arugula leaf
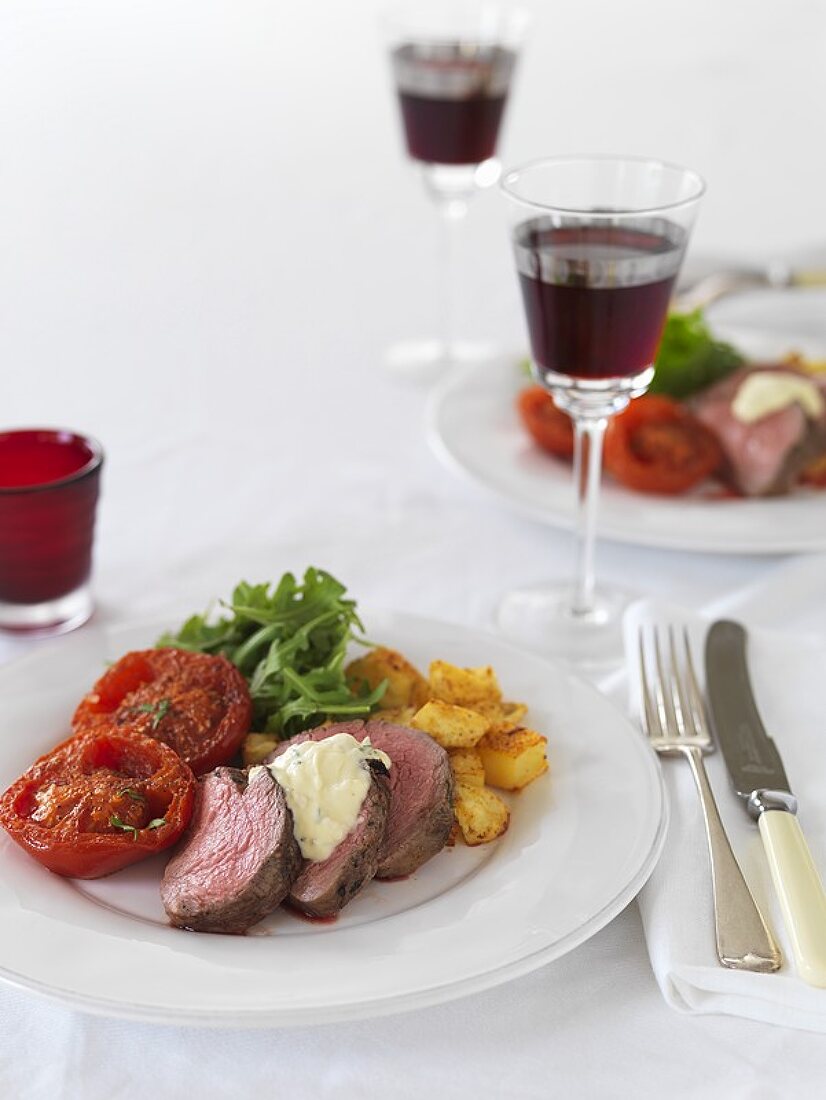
(290, 641)
(690, 359)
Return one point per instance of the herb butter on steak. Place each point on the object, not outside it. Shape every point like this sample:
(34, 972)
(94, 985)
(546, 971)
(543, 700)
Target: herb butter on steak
(420, 814)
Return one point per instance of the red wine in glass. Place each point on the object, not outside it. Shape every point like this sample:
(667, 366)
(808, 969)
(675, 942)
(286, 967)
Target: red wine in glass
(49, 482)
(452, 98)
(596, 295)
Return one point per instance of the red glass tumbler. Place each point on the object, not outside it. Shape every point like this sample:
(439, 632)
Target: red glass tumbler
(49, 482)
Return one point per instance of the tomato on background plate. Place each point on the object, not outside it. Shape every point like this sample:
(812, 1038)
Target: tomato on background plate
(197, 703)
(814, 474)
(657, 446)
(99, 801)
(550, 427)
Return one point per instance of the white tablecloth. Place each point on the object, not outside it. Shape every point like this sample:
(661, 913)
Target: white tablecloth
(204, 253)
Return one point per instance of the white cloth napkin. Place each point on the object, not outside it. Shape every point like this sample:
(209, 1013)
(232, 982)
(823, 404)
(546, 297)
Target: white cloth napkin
(789, 677)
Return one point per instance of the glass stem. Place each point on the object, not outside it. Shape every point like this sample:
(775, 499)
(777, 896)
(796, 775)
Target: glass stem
(452, 213)
(589, 432)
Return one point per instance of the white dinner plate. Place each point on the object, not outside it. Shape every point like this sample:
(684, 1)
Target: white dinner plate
(767, 324)
(582, 841)
(474, 429)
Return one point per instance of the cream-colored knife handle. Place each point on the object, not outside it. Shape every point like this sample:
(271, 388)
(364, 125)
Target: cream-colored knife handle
(799, 891)
(809, 278)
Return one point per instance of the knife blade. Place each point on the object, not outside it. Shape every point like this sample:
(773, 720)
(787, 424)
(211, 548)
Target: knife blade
(759, 778)
(751, 756)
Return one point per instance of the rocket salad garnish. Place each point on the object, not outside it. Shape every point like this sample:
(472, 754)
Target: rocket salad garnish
(690, 359)
(289, 641)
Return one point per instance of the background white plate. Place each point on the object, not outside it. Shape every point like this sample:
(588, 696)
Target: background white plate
(474, 429)
(582, 842)
(769, 323)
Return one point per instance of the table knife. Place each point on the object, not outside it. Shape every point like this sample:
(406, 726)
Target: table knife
(719, 284)
(757, 774)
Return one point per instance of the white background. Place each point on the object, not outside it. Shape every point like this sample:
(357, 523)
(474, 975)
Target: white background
(209, 232)
(167, 164)
(208, 235)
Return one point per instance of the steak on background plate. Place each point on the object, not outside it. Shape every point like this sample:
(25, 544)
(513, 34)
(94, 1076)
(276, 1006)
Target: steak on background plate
(764, 457)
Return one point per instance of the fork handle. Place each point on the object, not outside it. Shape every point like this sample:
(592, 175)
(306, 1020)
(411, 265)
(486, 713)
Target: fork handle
(744, 941)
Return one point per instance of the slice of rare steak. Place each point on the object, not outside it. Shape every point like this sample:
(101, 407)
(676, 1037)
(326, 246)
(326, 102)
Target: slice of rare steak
(763, 457)
(238, 858)
(421, 798)
(421, 792)
(324, 887)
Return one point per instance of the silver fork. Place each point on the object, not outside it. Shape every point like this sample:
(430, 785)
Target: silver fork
(675, 721)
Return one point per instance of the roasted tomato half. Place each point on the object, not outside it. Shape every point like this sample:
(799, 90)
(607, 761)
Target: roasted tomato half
(550, 427)
(196, 703)
(98, 802)
(657, 446)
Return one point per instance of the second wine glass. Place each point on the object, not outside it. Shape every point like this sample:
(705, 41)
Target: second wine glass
(598, 243)
(452, 66)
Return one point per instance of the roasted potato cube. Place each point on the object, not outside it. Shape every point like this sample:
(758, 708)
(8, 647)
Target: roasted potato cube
(256, 746)
(467, 767)
(465, 687)
(482, 815)
(513, 758)
(502, 716)
(800, 362)
(406, 687)
(452, 727)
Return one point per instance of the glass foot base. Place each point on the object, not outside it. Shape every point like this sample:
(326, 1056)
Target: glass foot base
(425, 361)
(542, 619)
(43, 620)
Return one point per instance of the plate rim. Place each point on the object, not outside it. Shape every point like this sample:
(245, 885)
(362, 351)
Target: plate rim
(381, 1005)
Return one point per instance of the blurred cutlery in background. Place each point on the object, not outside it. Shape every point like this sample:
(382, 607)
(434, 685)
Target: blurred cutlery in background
(718, 284)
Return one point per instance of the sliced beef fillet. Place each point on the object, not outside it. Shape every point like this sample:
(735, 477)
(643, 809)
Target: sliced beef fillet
(238, 858)
(421, 798)
(323, 887)
(765, 457)
(421, 792)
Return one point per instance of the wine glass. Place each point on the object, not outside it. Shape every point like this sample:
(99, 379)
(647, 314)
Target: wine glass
(598, 243)
(452, 64)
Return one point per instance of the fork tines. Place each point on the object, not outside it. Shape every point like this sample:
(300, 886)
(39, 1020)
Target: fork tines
(672, 705)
